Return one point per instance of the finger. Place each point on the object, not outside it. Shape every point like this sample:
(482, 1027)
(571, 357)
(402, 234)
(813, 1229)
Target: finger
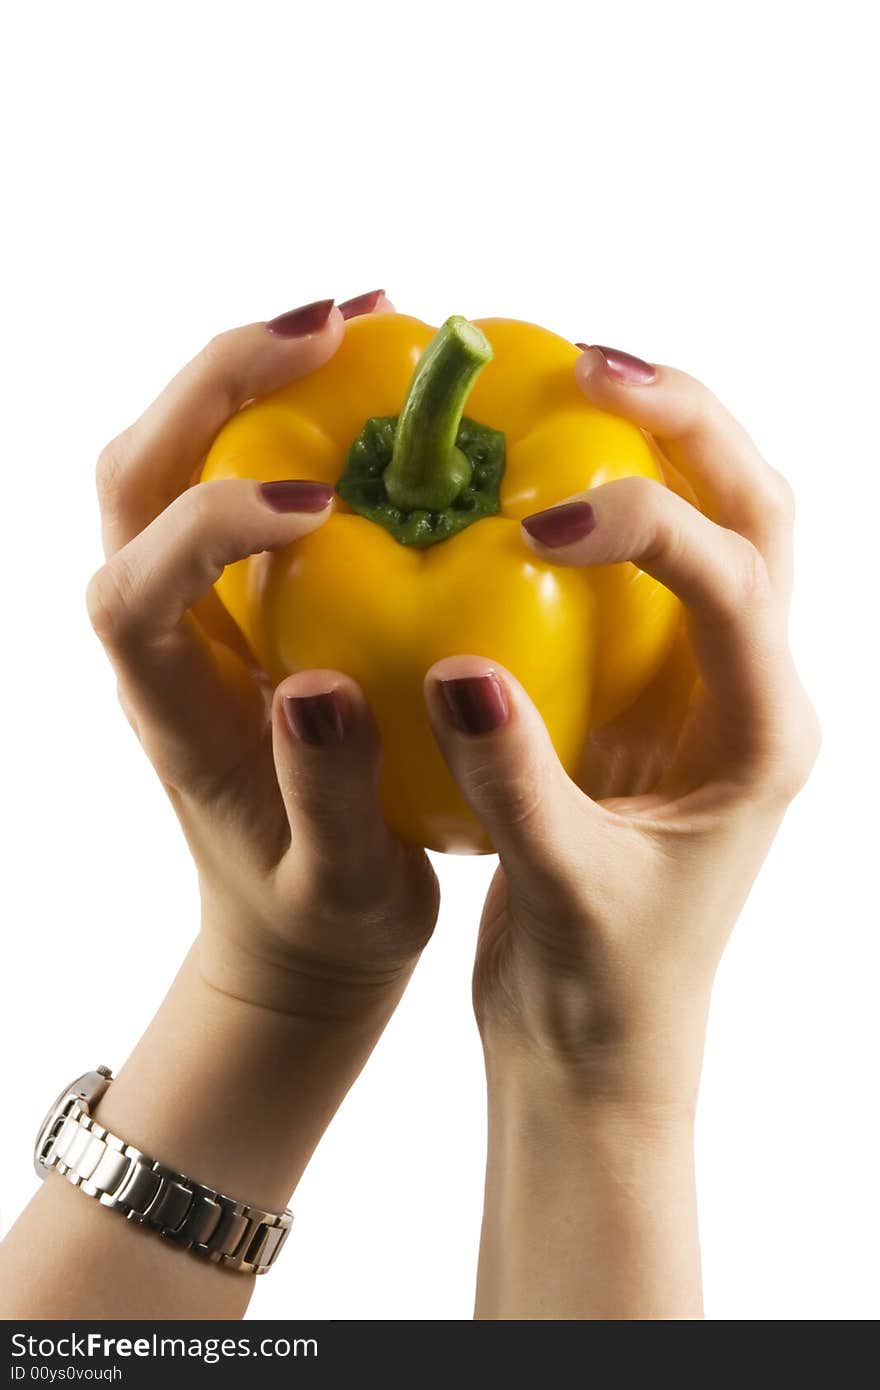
(211, 613)
(373, 302)
(733, 483)
(193, 701)
(499, 752)
(718, 574)
(153, 461)
(143, 592)
(327, 760)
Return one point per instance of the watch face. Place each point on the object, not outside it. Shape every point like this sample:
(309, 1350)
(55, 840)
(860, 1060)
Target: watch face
(88, 1089)
(45, 1127)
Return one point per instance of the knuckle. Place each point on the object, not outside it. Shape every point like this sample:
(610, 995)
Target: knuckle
(794, 761)
(789, 775)
(197, 507)
(698, 414)
(515, 797)
(217, 362)
(647, 493)
(215, 351)
(749, 587)
(646, 499)
(204, 519)
(111, 466)
(779, 499)
(108, 602)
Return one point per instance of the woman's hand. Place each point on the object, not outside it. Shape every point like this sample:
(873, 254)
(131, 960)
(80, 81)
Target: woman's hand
(614, 898)
(313, 913)
(309, 901)
(604, 926)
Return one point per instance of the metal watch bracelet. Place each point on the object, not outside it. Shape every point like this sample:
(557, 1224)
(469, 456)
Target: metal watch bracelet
(147, 1192)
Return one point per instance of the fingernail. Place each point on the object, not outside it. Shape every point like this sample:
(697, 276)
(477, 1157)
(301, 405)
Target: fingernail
(296, 495)
(319, 720)
(296, 323)
(624, 366)
(361, 304)
(475, 704)
(561, 525)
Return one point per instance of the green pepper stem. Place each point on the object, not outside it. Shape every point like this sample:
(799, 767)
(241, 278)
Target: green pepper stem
(426, 469)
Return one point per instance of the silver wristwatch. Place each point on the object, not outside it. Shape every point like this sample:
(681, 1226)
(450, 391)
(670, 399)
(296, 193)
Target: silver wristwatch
(121, 1177)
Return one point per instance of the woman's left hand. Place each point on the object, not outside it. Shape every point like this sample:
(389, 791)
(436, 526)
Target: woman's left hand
(616, 894)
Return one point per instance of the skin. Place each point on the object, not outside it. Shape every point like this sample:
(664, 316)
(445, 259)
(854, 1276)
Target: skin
(616, 894)
(601, 932)
(313, 913)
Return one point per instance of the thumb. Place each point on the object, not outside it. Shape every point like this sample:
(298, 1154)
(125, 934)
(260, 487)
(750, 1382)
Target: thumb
(499, 751)
(327, 761)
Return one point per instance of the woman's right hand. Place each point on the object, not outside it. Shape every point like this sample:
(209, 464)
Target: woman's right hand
(313, 913)
(309, 902)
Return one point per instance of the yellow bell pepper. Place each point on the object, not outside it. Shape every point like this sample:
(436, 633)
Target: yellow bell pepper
(383, 604)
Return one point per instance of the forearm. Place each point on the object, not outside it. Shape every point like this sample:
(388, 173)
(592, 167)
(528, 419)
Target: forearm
(231, 1093)
(590, 1208)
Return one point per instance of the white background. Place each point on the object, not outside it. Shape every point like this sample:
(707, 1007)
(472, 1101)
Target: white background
(691, 182)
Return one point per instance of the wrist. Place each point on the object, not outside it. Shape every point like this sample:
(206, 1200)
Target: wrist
(651, 1070)
(237, 1093)
(591, 1023)
(253, 966)
(530, 1097)
(589, 1204)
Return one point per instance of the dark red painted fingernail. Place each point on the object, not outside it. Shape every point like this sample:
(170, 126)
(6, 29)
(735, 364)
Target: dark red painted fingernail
(623, 366)
(296, 323)
(561, 525)
(296, 495)
(320, 720)
(475, 704)
(361, 304)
